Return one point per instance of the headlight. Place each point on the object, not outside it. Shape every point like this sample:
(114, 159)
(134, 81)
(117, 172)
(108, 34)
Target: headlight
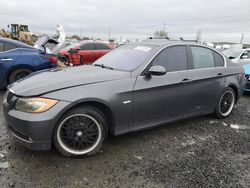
(35, 105)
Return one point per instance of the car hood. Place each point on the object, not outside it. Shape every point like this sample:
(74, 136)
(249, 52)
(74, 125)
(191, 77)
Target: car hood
(61, 78)
(247, 68)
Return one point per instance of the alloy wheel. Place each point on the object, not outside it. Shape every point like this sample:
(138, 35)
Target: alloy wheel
(227, 103)
(79, 134)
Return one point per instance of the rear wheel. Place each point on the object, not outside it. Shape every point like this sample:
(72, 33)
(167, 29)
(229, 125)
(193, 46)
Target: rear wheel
(18, 74)
(226, 103)
(80, 132)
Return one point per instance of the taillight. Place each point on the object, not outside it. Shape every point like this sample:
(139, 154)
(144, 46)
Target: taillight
(53, 59)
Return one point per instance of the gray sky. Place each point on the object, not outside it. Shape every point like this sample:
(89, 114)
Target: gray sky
(219, 20)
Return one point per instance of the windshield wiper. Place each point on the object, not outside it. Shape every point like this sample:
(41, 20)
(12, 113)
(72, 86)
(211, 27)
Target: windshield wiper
(104, 66)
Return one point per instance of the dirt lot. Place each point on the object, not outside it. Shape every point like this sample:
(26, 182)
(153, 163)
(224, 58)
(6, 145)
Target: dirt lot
(200, 152)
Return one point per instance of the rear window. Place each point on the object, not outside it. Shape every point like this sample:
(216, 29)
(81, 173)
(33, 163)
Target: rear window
(1, 47)
(100, 46)
(202, 57)
(9, 46)
(219, 60)
(4, 46)
(88, 46)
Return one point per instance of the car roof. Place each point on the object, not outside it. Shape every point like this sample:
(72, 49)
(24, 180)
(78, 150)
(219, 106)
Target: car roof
(15, 42)
(93, 41)
(166, 42)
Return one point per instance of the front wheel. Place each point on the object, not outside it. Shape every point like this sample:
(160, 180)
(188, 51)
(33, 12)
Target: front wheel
(226, 103)
(80, 132)
(18, 74)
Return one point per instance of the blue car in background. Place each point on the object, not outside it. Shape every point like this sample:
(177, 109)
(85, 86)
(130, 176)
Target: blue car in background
(247, 77)
(18, 59)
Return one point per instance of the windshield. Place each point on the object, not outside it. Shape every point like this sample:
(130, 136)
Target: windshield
(233, 53)
(126, 58)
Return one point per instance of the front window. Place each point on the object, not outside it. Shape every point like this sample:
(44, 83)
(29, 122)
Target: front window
(126, 58)
(172, 58)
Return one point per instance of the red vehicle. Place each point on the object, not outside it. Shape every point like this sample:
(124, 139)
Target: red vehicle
(86, 52)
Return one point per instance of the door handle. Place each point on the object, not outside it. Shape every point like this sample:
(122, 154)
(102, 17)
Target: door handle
(219, 74)
(6, 59)
(186, 80)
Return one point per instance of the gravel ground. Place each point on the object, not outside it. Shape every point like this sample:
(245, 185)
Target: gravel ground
(199, 152)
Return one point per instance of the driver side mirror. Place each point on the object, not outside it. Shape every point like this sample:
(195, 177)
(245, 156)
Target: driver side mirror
(157, 70)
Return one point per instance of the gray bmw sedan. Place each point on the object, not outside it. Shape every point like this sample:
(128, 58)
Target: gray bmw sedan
(132, 88)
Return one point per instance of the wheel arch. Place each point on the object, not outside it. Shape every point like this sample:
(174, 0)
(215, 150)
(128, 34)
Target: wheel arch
(100, 106)
(235, 88)
(23, 66)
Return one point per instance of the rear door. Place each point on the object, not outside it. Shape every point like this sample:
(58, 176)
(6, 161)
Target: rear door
(163, 98)
(208, 77)
(9, 53)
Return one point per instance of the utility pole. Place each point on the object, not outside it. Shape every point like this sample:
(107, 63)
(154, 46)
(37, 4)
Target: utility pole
(242, 36)
(164, 26)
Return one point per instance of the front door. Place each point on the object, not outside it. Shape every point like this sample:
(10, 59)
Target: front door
(163, 98)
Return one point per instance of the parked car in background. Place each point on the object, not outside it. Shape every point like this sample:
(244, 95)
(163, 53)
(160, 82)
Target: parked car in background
(18, 59)
(247, 77)
(132, 88)
(86, 52)
(63, 56)
(241, 56)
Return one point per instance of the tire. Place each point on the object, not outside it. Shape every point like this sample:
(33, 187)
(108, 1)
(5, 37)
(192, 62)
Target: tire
(18, 74)
(226, 103)
(80, 132)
